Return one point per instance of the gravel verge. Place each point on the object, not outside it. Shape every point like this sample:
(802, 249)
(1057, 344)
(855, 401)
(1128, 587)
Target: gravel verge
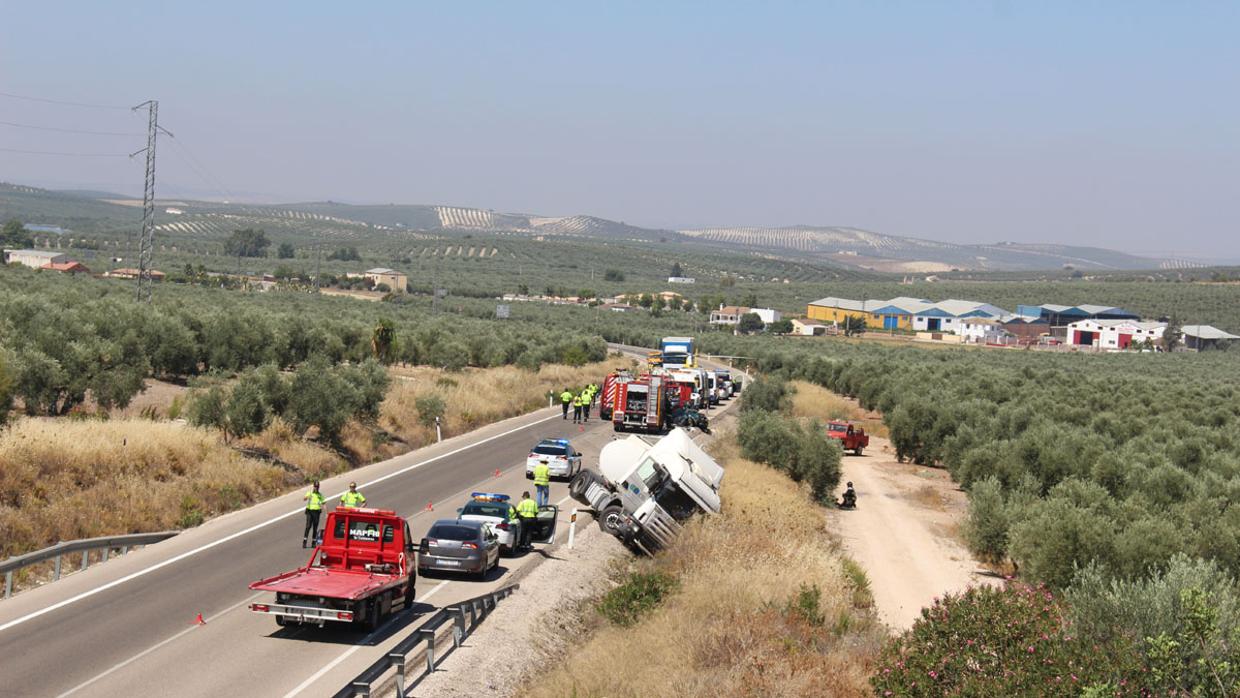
(531, 627)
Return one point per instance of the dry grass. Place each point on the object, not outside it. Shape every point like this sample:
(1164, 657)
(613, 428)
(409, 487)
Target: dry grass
(62, 479)
(474, 397)
(816, 402)
(729, 630)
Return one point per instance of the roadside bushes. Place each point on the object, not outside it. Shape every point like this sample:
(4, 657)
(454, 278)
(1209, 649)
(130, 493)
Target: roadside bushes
(988, 641)
(1166, 634)
(637, 595)
(317, 394)
(803, 451)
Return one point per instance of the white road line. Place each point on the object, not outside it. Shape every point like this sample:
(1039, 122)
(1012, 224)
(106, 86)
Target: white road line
(349, 652)
(152, 648)
(251, 529)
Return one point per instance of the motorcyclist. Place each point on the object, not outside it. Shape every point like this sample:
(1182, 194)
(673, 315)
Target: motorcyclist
(850, 498)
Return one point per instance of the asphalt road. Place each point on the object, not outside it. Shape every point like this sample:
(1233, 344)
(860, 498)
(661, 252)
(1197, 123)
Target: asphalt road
(126, 627)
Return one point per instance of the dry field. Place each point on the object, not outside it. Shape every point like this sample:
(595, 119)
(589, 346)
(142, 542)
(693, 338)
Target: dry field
(734, 627)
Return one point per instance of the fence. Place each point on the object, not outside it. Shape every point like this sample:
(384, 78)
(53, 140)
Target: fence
(465, 616)
(84, 546)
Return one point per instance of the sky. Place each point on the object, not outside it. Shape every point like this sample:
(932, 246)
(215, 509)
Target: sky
(1114, 124)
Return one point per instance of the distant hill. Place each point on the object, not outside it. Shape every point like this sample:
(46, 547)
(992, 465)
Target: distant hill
(836, 246)
(880, 252)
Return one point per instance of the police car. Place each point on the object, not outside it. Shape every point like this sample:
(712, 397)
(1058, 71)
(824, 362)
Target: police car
(497, 512)
(562, 459)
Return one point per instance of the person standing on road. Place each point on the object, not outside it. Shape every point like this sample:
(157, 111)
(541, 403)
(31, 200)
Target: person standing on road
(527, 511)
(314, 508)
(587, 398)
(352, 498)
(542, 482)
(566, 401)
(577, 403)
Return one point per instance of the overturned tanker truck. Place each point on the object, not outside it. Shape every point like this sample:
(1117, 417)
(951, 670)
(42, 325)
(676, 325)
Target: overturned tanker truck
(647, 488)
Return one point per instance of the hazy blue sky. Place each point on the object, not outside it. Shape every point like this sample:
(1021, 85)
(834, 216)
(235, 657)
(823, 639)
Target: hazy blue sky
(1107, 123)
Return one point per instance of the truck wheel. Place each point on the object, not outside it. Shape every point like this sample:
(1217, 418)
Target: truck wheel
(579, 484)
(280, 621)
(858, 450)
(609, 519)
(410, 595)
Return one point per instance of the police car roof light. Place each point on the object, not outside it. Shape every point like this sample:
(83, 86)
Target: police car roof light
(489, 497)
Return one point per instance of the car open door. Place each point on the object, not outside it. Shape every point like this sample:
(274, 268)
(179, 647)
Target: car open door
(543, 530)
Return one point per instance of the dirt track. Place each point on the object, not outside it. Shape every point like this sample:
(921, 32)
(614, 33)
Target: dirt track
(904, 533)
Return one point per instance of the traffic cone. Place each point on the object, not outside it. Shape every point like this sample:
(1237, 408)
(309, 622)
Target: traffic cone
(198, 620)
(497, 472)
(430, 506)
(581, 427)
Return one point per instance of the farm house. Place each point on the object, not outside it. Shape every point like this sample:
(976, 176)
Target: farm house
(1113, 334)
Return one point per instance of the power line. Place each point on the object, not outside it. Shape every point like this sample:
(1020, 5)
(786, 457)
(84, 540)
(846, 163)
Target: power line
(75, 155)
(61, 102)
(201, 170)
(70, 130)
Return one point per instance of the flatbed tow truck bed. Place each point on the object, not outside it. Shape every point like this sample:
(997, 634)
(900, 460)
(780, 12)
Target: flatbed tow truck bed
(335, 584)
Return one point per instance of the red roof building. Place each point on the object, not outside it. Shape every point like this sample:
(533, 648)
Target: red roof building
(69, 267)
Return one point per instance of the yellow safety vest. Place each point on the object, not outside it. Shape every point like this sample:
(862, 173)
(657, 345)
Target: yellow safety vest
(527, 509)
(542, 474)
(316, 501)
(566, 397)
(579, 401)
(352, 499)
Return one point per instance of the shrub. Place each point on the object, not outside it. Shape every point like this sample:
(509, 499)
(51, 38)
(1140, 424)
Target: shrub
(988, 641)
(635, 597)
(986, 530)
(767, 394)
(322, 398)
(430, 408)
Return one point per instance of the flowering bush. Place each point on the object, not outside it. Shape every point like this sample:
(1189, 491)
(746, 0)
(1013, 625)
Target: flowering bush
(988, 641)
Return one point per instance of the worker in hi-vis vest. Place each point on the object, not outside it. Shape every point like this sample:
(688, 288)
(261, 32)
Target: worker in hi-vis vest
(566, 401)
(542, 482)
(527, 511)
(314, 508)
(352, 498)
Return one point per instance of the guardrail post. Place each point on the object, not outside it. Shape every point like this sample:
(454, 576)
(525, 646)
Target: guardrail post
(8, 584)
(361, 688)
(124, 550)
(398, 661)
(429, 636)
(107, 553)
(85, 558)
(473, 614)
(458, 628)
(57, 573)
(572, 528)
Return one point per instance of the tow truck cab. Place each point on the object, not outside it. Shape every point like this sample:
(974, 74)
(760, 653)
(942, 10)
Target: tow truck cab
(362, 570)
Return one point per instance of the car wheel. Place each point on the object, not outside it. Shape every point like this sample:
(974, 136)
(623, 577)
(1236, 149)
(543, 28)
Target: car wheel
(609, 519)
(858, 450)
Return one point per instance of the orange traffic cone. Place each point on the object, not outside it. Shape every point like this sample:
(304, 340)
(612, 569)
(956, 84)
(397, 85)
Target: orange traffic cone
(497, 472)
(430, 506)
(198, 620)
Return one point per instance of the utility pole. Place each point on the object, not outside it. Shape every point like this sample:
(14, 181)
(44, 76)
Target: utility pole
(146, 241)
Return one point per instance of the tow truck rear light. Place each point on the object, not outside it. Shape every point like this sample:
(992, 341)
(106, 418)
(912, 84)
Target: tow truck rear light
(260, 607)
(344, 615)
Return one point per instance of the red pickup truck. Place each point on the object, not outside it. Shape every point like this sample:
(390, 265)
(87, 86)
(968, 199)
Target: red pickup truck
(363, 568)
(852, 438)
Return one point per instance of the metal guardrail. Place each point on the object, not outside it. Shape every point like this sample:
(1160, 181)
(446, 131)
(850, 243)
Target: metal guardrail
(84, 546)
(465, 616)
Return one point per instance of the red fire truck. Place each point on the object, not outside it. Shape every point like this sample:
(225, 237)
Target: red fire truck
(362, 570)
(642, 405)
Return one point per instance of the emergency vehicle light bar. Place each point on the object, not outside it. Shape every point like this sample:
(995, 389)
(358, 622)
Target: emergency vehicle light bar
(489, 497)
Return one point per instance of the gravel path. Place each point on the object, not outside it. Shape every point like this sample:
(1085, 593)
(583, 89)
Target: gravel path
(903, 533)
(493, 660)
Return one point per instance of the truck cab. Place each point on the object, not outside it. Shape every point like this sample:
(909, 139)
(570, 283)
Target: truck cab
(647, 490)
(360, 572)
(676, 352)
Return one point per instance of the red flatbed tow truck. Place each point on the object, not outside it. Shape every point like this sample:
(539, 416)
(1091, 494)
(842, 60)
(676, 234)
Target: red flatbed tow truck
(851, 437)
(363, 568)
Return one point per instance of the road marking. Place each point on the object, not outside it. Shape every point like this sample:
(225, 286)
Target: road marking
(251, 529)
(349, 652)
(152, 648)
